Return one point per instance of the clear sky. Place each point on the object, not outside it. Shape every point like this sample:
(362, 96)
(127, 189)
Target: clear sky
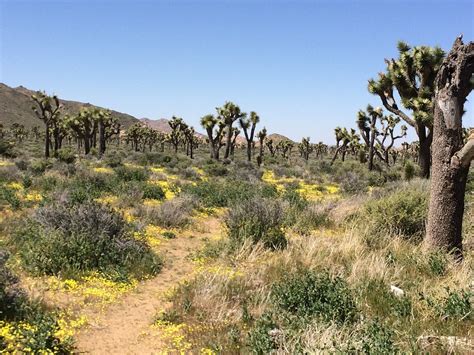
(302, 65)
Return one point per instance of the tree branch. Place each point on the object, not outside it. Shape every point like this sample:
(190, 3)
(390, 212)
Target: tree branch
(465, 155)
(396, 111)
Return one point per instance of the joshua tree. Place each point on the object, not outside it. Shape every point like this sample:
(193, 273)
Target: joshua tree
(387, 131)
(451, 155)
(19, 131)
(305, 148)
(191, 140)
(107, 126)
(366, 122)
(412, 75)
(36, 132)
(176, 125)
(320, 149)
(135, 135)
(262, 135)
(285, 147)
(271, 147)
(229, 113)
(349, 140)
(248, 125)
(47, 108)
(215, 132)
(83, 125)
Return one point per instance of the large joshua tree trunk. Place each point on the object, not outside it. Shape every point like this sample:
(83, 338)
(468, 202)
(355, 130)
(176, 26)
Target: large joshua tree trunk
(424, 154)
(451, 160)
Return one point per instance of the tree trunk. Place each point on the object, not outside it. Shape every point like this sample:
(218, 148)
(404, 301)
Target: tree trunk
(228, 141)
(87, 145)
(101, 138)
(249, 150)
(424, 153)
(47, 138)
(451, 160)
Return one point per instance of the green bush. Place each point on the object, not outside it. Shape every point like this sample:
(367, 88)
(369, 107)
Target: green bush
(401, 213)
(70, 239)
(86, 186)
(153, 191)
(9, 197)
(260, 339)
(308, 294)
(127, 173)
(409, 170)
(377, 338)
(222, 193)
(39, 166)
(113, 160)
(456, 305)
(258, 220)
(7, 149)
(66, 155)
(313, 216)
(175, 213)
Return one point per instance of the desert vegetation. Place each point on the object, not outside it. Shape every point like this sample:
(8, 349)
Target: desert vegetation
(239, 241)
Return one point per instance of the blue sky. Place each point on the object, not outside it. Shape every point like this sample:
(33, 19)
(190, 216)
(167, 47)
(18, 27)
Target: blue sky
(302, 65)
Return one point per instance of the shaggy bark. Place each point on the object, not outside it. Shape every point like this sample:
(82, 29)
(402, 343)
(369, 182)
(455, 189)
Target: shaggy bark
(451, 160)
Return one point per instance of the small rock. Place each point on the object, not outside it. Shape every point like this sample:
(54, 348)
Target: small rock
(397, 291)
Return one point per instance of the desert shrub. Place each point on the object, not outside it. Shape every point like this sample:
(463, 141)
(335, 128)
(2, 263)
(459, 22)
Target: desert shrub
(352, 183)
(313, 216)
(437, 263)
(409, 170)
(22, 164)
(378, 338)
(153, 191)
(295, 204)
(128, 173)
(260, 339)
(257, 220)
(113, 160)
(87, 185)
(222, 193)
(168, 235)
(39, 166)
(307, 294)
(27, 181)
(9, 197)
(215, 170)
(7, 149)
(69, 239)
(457, 304)
(401, 213)
(175, 213)
(66, 155)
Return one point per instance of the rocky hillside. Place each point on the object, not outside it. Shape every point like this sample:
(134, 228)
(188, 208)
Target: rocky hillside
(15, 106)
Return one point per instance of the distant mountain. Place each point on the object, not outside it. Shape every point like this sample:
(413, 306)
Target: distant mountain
(278, 137)
(160, 124)
(16, 106)
(163, 126)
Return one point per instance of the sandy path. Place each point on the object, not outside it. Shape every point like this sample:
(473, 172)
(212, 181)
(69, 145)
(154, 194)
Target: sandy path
(124, 325)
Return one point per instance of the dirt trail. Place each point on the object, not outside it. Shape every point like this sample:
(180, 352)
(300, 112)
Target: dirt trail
(123, 326)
